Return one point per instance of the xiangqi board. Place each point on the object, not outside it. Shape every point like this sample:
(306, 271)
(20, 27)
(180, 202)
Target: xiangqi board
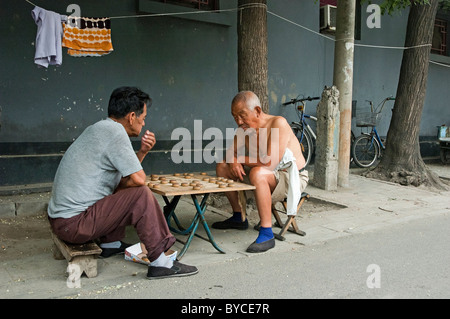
(193, 183)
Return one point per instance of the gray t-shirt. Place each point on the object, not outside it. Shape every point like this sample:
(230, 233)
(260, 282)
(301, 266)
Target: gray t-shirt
(92, 168)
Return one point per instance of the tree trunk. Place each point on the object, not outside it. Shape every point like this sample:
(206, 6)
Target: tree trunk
(402, 162)
(252, 49)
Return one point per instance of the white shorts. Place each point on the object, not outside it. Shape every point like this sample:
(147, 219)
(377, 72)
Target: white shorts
(280, 192)
(282, 177)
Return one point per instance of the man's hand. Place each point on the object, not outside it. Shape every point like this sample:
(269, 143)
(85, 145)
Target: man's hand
(237, 170)
(148, 141)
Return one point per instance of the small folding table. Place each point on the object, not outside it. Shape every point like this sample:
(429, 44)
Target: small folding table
(195, 186)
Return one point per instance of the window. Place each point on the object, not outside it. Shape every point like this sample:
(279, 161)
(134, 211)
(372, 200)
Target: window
(328, 2)
(328, 17)
(439, 44)
(182, 6)
(197, 4)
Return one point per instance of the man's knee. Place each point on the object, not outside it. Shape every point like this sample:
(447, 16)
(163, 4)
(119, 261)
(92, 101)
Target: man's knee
(222, 169)
(260, 175)
(143, 200)
(138, 194)
(140, 190)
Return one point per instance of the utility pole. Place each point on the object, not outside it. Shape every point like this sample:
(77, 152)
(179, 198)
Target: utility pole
(343, 80)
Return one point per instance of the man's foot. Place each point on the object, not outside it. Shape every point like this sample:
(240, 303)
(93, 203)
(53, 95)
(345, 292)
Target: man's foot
(108, 252)
(262, 247)
(178, 270)
(231, 224)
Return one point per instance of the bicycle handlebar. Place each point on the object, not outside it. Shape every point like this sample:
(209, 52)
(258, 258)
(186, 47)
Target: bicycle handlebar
(390, 98)
(293, 101)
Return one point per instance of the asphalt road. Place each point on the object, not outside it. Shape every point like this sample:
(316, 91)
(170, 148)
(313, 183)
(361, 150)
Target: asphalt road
(404, 261)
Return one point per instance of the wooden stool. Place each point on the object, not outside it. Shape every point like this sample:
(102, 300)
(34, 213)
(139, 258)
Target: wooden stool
(291, 223)
(84, 256)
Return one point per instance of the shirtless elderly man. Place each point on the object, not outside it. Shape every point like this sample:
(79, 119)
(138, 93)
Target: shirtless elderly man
(276, 169)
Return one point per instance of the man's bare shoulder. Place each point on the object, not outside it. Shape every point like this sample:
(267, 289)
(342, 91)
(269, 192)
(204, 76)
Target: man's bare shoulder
(279, 121)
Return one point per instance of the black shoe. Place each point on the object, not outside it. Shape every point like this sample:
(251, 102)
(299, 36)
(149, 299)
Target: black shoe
(231, 224)
(108, 252)
(178, 270)
(262, 247)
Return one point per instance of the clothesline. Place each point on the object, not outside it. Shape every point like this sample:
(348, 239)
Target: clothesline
(260, 5)
(30, 3)
(440, 64)
(241, 7)
(358, 44)
(172, 14)
(250, 5)
(348, 39)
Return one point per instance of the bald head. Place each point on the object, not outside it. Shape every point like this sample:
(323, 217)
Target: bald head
(249, 99)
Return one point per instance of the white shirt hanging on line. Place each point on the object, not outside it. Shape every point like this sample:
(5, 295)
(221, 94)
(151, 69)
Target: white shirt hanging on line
(49, 37)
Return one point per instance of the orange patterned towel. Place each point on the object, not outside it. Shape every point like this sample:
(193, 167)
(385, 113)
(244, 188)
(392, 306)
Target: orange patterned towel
(87, 36)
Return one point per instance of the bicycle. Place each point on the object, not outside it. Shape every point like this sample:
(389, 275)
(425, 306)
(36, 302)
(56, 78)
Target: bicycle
(367, 147)
(302, 129)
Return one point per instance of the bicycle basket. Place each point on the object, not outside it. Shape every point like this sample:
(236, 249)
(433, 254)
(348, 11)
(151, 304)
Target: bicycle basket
(365, 119)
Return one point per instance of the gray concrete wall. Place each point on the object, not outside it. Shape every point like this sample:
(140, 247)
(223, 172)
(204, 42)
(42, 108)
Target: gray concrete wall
(189, 67)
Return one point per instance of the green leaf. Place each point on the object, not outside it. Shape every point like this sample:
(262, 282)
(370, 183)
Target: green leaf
(390, 6)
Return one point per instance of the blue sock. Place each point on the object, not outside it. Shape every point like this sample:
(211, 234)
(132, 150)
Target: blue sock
(265, 234)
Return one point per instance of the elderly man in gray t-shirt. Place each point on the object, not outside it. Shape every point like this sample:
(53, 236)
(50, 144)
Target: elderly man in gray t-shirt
(99, 188)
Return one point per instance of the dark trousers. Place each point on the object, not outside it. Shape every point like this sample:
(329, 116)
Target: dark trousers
(107, 219)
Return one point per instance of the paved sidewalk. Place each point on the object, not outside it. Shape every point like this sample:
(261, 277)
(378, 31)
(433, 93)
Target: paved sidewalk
(367, 205)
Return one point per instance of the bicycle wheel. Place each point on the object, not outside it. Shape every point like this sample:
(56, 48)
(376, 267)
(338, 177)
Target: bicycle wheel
(306, 141)
(365, 151)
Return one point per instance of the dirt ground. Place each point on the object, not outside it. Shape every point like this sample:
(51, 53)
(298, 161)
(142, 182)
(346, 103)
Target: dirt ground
(24, 235)
(312, 206)
(31, 235)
